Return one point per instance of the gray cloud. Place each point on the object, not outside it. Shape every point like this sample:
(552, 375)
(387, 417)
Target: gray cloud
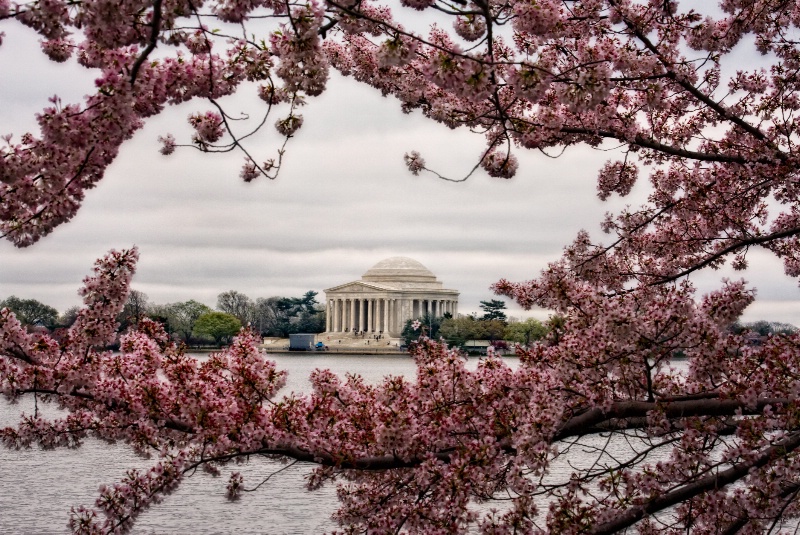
(342, 202)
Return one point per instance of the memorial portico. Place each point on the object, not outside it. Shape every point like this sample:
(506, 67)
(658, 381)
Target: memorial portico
(386, 297)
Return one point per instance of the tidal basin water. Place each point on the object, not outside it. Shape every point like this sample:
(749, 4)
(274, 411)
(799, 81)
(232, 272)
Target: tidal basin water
(38, 488)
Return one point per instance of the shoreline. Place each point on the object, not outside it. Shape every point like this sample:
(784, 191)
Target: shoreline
(337, 351)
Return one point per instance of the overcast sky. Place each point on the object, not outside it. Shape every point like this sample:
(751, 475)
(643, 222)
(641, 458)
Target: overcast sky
(343, 202)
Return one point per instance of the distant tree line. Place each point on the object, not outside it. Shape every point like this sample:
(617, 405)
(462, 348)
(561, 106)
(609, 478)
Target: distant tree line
(192, 322)
(763, 328)
(32, 312)
(458, 331)
(493, 325)
(275, 316)
(195, 323)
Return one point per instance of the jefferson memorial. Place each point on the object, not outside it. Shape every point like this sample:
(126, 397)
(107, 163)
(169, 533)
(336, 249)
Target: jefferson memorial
(390, 293)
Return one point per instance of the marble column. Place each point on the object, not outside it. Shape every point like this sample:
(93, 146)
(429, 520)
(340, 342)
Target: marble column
(352, 322)
(328, 316)
(369, 315)
(386, 316)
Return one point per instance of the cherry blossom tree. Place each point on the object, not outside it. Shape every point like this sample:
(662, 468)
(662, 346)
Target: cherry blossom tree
(709, 448)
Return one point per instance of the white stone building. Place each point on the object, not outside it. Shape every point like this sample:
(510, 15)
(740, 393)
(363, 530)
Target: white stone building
(387, 295)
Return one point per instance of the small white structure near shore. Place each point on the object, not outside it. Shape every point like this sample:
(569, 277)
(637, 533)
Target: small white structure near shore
(390, 293)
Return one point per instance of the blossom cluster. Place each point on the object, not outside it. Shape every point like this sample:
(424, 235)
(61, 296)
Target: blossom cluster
(716, 142)
(416, 453)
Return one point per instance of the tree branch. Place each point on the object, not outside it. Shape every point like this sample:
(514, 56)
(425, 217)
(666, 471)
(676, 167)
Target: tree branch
(155, 28)
(696, 93)
(758, 240)
(648, 143)
(690, 490)
(672, 409)
(369, 464)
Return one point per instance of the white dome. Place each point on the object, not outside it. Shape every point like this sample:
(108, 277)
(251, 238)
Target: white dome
(399, 269)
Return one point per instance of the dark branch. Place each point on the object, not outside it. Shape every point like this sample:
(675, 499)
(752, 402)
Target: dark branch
(592, 418)
(699, 95)
(758, 240)
(377, 463)
(155, 29)
(697, 487)
(648, 143)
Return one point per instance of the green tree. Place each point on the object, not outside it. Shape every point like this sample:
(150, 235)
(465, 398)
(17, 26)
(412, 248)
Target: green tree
(220, 326)
(456, 331)
(287, 308)
(493, 310)
(310, 322)
(282, 316)
(308, 302)
(183, 316)
(525, 332)
(429, 326)
(493, 329)
(31, 311)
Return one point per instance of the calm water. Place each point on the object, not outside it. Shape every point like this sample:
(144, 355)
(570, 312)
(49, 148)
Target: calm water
(37, 488)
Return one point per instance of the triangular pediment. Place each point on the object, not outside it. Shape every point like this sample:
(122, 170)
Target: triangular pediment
(360, 287)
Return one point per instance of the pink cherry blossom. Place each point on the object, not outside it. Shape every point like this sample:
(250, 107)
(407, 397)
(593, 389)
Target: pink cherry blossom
(167, 144)
(414, 162)
(249, 171)
(500, 165)
(208, 127)
(711, 447)
(289, 125)
(470, 27)
(59, 50)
